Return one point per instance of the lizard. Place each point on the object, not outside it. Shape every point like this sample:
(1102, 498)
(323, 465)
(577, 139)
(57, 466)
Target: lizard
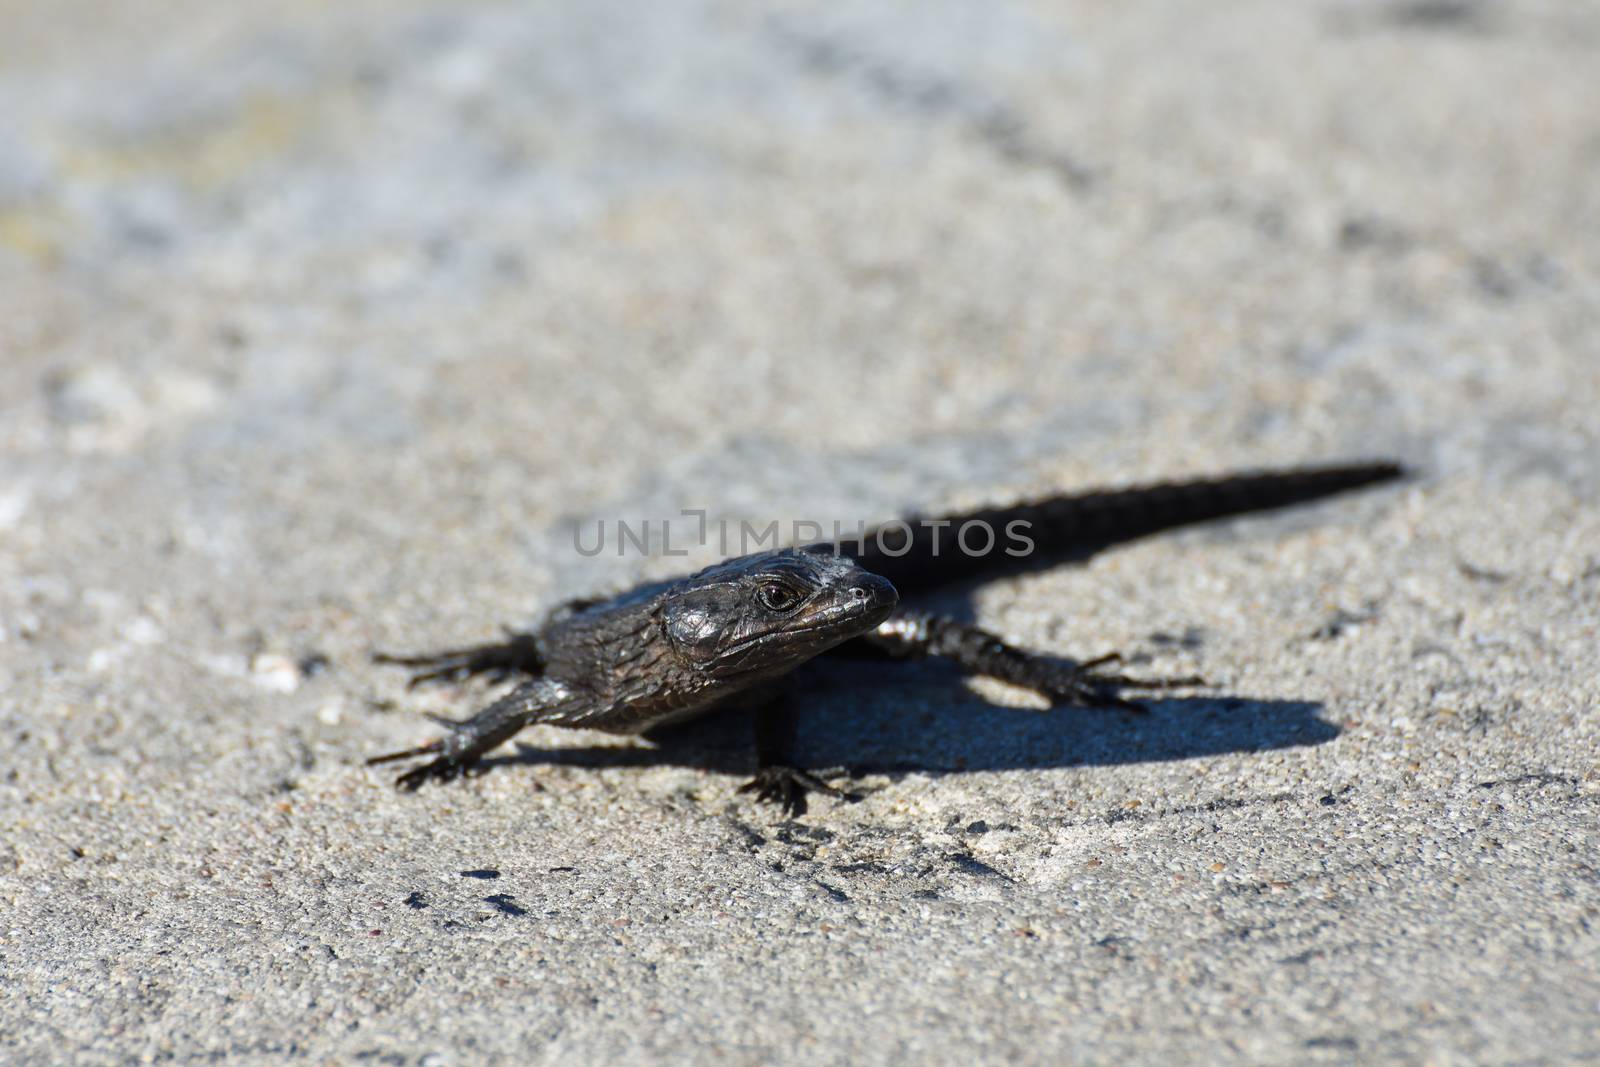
(671, 650)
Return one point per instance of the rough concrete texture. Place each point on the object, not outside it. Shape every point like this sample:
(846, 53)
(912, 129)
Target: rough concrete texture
(321, 326)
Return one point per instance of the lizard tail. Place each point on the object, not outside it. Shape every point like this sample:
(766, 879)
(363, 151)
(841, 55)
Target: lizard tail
(1079, 525)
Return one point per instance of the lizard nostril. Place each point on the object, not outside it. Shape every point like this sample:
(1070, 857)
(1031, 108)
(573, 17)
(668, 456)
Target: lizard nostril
(858, 593)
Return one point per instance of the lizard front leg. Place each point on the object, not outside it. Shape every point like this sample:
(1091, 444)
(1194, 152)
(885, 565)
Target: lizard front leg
(778, 781)
(465, 745)
(917, 635)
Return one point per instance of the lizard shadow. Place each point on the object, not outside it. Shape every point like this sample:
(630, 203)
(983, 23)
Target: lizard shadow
(931, 726)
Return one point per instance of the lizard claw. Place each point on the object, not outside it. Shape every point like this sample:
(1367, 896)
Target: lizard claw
(787, 787)
(446, 768)
(421, 750)
(443, 769)
(1085, 685)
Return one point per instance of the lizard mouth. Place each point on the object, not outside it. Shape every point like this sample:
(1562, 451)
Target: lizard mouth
(868, 602)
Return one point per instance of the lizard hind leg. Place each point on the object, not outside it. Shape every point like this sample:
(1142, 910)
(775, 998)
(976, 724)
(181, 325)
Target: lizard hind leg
(498, 660)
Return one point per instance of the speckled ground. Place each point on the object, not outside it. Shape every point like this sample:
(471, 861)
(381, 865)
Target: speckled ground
(321, 330)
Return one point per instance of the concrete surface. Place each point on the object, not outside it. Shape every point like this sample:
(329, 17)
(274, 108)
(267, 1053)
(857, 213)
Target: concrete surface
(321, 328)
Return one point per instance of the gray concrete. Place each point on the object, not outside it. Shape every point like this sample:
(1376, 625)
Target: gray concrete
(319, 330)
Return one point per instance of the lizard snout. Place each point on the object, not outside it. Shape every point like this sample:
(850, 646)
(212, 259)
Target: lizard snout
(872, 592)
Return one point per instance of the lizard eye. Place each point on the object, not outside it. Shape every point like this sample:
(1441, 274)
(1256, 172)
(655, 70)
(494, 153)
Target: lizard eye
(775, 596)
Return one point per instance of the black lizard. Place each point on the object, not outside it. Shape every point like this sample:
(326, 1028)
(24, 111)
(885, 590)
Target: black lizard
(672, 650)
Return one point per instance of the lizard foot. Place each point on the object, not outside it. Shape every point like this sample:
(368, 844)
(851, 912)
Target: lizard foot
(444, 769)
(1085, 684)
(517, 654)
(787, 787)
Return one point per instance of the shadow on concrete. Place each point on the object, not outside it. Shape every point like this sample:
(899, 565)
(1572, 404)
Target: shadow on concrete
(866, 714)
(929, 727)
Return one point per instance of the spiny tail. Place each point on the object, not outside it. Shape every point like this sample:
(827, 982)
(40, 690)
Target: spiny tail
(1068, 526)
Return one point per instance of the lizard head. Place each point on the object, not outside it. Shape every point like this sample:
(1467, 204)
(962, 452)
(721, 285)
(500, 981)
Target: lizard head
(762, 615)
